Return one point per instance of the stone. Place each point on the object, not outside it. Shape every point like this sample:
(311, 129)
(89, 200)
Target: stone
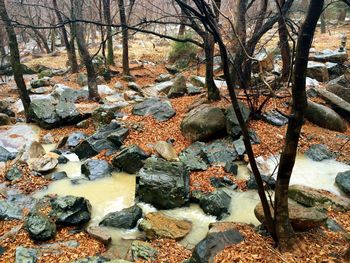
(178, 89)
(312, 197)
(206, 250)
(118, 137)
(301, 218)
(75, 138)
(158, 226)
(317, 71)
(333, 226)
(38, 83)
(43, 164)
(4, 119)
(164, 184)
(231, 168)
(99, 234)
(130, 159)
(343, 181)
(275, 118)
(340, 91)
(70, 210)
(239, 146)
(5, 155)
(161, 110)
(135, 87)
(163, 78)
(338, 104)
(216, 204)
(232, 125)
(219, 152)
(219, 182)
(166, 150)
(13, 174)
(319, 152)
(33, 150)
(142, 250)
(83, 124)
(193, 90)
(203, 123)
(96, 169)
(324, 117)
(40, 227)
(26, 255)
(192, 159)
(82, 79)
(335, 70)
(126, 218)
(9, 211)
(57, 176)
(62, 159)
(48, 139)
(104, 114)
(197, 81)
(67, 94)
(46, 73)
(334, 56)
(269, 181)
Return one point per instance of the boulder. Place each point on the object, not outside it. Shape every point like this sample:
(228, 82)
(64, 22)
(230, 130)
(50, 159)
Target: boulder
(302, 218)
(178, 89)
(99, 234)
(275, 118)
(126, 218)
(118, 137)
(312, 197)
(13, 174)
(163, 78)
(166, 150)
(96, 169)
(67, 94)
(40, 227)
(340, 91)
(104, 114)
(216, 203)
(231, 168)
(161, 110)
(26, 255)
(324, 117)
(75, 138)
(191, 157)
(203, 123)
(143, 250)
(130, 159)
(9, 211)
(33, 150)
(334, 56)
(232, 125)
(82, 79)
(269, 182)
(5, 155)
(343, 182)
(338, 104)
(57, 176)
(4, 119)
(219, 152)
(219, 182)
(43, 164)
(70, 210)
(157, 225)
(317, 71)
(319, 152)
(335, 70)
(38, 83)
(5, 108)
(164, 184)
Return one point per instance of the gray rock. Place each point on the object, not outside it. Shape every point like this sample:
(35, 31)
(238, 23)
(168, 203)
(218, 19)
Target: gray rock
(216, 203)
(330, 56)
(161, 110)
(179, 88)
(38, 83)
(338, 104)
(319, 152)
(343, 181)
(96, 169)
(192, 159)
(75, 138)
(67, 94)
(9, 211)
(118, 137)
(104, 114)
(40, 227)
(232, 125)
(43, 164)
(5, 155)
(126, 218)
(143, 250)
(26, 255)
(164, 184)
(163, 77)
(275, 118)
(340, 91)
(130, 159)
(333, 226)
(99, 234)
(239, 146)
(231, 168)
(335, 70)
(4, 119)
(269, 181)
(82, 79)
(317, 71)
(57, 176)
(193, 90)
(219, 152)
(13, 174)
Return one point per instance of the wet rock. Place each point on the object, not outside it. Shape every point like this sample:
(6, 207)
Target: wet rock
(75, 138)
(9, 211)
(312, 197)
(38, 83)
(232, 125)
(231, 168)
(340, 91)
(62, 159)
(5, 155)
(157, 225)
(166, 150)
(99, 234)
(319, 152)
(335, 70)
(70, 210)
(317, 71)
(338, 104)
(43, 164)
(40, 227)
(57, 176)
(275, 118)
(96, 169)
(164, 184)
(192, 159)
(161, 110)
(130, 159)
(142, 250)
(4, 119)
(324, 117)
(26, 255)
(118, 137)
(333, 226)
(206, 250)
(33, 150)
(222, 182)
(179, 88)
(302, 218)
(13, 174)
(216, 203)
(126, 218)
(104, 114)
(270, 182)
(219, 152)
(203, 123)
(343, 181)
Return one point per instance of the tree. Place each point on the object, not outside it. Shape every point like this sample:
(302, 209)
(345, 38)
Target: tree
(108, 21)
(125, 32)
(15, 60)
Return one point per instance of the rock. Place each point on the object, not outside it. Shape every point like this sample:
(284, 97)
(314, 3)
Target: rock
(333, 226)
(4, 119)
(343, 181)
(75, 138)
(192, 159)
(5, 108)
(231, 168)
(311, 197)
(335, 70)
(26, 255)
(232, 125)
(48, 139)
(9, 211)
(94, 259)
(118, 85)
(38, 83)
(216, 203)
(118, 137)
(142, 250)
(161, 88)
(164, 184)
(40, 227)
(135, 87)
(265, 61)
(96, 169)
(338, 104)
(317, 71)
(157, 225)
(324, 117)
(270, 182)
(163, 78)
(104, 114)
(67, 94)
(82, 79)
(219, 182)
(203, 123)
(46, 73)
(343, 80)
(126, 218)
(161, 110)
(62, 159)
(193, 90)
(33, 150)
(275, 118)
(330, 56)
(130, 159)
(206, 250)
(43, 164)
(219, 152)
(5, 155)
(104, 90)
(57, 176)
(179, 88)
(319, 152)
(302, 218)
(197, 81)
(340, 91)
(166, 150)
(83, 124)
(99, 234)
(239, 146)
(13, 174)
(70, 210)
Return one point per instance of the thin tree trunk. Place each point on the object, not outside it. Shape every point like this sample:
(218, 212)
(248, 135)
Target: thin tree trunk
(107, 17)
(284, 46)
(42, 39)
(126, 69)
(284, 230)
(183, 20)
(15, 60)
(213, 91)
(323, 24)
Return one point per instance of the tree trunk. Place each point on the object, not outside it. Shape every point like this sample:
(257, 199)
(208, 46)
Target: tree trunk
(126, 69)
(107, 17)
(284, 46)
(15, 60)
(84, 52)
(213, 91)
(323, 24)
(284, 230)
(72, 58)
(42, 39)
(183, 20)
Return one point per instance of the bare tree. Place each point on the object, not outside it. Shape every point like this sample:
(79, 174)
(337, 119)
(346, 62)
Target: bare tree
(108, 21)
(125, 32)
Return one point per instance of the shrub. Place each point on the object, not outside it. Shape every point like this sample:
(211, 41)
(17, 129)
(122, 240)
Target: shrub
(182, 53)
